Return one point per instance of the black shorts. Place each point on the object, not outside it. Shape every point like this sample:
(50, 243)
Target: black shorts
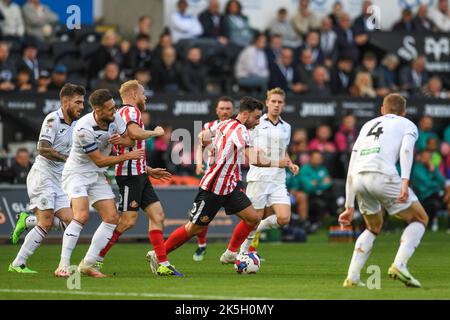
(207, 204)
(135, 192)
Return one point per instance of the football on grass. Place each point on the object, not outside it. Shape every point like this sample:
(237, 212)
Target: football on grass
(248, 263)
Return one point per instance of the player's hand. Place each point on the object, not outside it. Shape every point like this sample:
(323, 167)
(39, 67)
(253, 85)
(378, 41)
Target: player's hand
(286, 162)
(159, 173)
(135, 154)
(115, 139)
(159, 131)
(346, 217)
(294, 169)
(404, 191)
(199, 170)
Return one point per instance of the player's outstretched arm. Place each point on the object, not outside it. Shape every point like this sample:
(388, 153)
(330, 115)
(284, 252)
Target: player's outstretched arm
(258, 159)
(46, 150)
(105, 161)
(123, 140)
(205, 137)
(135, 132)
(159, 173)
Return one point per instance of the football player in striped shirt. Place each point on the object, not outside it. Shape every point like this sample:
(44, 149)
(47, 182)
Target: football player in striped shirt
(224, 111)
(221, 186)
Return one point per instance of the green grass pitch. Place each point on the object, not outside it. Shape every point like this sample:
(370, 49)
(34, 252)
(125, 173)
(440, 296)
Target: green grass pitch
(312, 270)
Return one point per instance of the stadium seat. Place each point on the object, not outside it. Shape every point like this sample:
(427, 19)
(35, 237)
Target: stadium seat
(87, 49)
(60, 49)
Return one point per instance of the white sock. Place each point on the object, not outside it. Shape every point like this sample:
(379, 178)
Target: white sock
(363, 247)
(30, 244)
(31, 221)
(70, 239)
(268, 223)
(409, 241)
(99, 241)
(58, 224)
(245, 246)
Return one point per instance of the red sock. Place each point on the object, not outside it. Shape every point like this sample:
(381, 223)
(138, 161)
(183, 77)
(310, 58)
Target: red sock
(201, 237)
(239, 235)
(251, 249)
(112, 241)
(157, 240)
(176, 239)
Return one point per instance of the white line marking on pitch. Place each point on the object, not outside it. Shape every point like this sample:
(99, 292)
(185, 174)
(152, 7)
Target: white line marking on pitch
(135, 294)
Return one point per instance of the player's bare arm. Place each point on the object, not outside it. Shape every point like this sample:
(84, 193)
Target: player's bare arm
(258, 159)
(205, 137)
(46, 150)
(159, 173)
(105, 161)
(137, 133)
(292, 167)
(123, 140)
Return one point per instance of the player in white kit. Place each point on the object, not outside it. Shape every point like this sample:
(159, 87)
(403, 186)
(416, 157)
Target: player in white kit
(85, 182)
(266, 187)
(47, 198)
(373, 179)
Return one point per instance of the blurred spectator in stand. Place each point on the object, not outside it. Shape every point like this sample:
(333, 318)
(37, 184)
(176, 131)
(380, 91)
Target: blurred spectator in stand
(284, 75)
(23, 80)
(111, 78)
(441, 16)
(39, 19)
(12, 23)
(429, 185)
(369, 64)
(298, 149)
(434, 89)
(213, 23)
(29, 60)
(345, 41)
(316, 182)
(363, 86)
(125, 50)
(305, 19)
(388, 81)
(144, 77)
(140, 53)
(7, 69)
(342, 75)
(273, 50)
(43, 81)
(323, 143)
(344, 140)
(144, 26)
(406, 22)
(109, 51)
(320, 83)
(59, 78)
(194, 73)
(425, 132)
(421, 21)
(328, 42)
(335, 13)
(252, 67)
(282, 27)
(312, 42)
(184, 25)
(165, 41)
(362, 25)
(414, 77)
(236, 25)
(167, 74)
(436, 157)
(306, 67)
(447, 134)
(20, 168)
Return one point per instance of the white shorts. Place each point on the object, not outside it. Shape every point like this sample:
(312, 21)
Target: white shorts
(45, 192)
(93, 185)
(265, 194)
(377, 190)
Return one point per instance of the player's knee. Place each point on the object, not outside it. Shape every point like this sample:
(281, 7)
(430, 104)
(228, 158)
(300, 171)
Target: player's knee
(283, 220)
(375, 229)
(46, 223)
(422, 218)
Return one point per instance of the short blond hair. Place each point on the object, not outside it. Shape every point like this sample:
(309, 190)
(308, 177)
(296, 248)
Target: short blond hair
(276, 90)
(394, 103)
(127, 87)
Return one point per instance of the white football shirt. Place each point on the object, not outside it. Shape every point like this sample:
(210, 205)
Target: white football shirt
(378, 145)
(88, 137)
(273, 139)
(59, 133)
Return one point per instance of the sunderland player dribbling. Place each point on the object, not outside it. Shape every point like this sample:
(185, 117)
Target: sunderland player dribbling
(47, 198)
(373, 179)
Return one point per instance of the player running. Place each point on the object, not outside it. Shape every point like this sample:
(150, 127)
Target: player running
(47, 198)
(266, 187)
(132, 177)
(224, 111)
(373, 178)
(221, 187)
(85, 182)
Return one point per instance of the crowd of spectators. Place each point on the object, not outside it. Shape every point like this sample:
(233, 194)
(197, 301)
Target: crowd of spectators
(219, 52)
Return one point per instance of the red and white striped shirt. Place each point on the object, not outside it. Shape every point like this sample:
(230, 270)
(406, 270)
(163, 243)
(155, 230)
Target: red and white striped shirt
(229, 142)
(130, 114)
